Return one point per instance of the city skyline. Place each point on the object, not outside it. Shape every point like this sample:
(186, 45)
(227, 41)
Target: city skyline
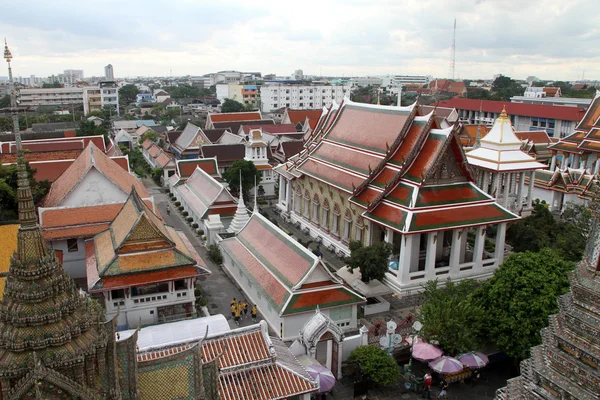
(550, 39)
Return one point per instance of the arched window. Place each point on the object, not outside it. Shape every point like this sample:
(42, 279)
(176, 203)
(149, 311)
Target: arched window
(335, 229)
(347, 225)
(306, 204)
(325, 215)
(360, 227)
(315, 214)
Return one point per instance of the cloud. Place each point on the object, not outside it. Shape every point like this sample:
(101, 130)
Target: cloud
(549, 38)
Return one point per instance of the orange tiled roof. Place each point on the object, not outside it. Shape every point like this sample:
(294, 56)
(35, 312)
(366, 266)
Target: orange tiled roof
(87, 231)
(11, 158)
(299, 116)
(91, 157)
(231, 117)
(123, 281)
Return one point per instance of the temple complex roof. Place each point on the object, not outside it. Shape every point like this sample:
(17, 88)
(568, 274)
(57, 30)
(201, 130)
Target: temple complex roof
(91, 158)
(280, 266)
(587, 135)
(206, 195)
(138, 248)
(252, 365)
(213, 118)
(398, 166)
(572, 181)
(500, 150)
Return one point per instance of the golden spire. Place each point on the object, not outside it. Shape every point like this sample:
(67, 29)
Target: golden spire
(503, 113)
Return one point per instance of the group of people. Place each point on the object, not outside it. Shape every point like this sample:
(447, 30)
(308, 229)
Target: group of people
(239, 310)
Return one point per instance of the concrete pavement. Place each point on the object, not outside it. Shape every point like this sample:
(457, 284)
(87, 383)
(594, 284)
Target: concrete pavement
(218, 288)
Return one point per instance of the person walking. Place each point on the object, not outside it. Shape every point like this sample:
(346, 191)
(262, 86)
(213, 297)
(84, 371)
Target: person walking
(253, 313)
(245, 304)
(233, 307)
(427, 386)
(168, 209)
(444, 390)
(237, 313)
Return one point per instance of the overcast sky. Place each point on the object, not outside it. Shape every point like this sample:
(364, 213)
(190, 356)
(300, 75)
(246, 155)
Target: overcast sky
(552, 39)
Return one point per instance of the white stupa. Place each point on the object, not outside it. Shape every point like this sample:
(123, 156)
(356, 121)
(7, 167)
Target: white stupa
(241, 216)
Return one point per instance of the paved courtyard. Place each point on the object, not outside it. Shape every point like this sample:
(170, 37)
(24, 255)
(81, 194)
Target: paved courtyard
(219, 289)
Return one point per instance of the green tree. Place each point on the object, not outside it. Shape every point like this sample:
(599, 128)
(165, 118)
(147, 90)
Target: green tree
(230, 105)
(504, 88)
(542, 230)
(157, 174)
(451, 316)
(5, 101)
(520, 296)
(372, 261)
(128, 93)
(88, 128)
(53, 85)
(149, 134)
(8, 190)
(137, 162)
(479, 94)
(249, 175)
(376, 364)
(6, 124)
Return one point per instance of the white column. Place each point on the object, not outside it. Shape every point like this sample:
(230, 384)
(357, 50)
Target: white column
(290, 194)
(500, 238)
(340, 359)
(563, 163)
(455, 252)
(432, 238)
(281, 189)
(479, 247)
(553, 163)
(409, 252)
(484, 181)
(389, 236)
(329, 354)
(597, 167)
(506, 188)
(530, 189)
(520, 191)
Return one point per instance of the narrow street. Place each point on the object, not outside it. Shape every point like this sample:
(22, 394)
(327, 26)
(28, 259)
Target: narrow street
(219, 289)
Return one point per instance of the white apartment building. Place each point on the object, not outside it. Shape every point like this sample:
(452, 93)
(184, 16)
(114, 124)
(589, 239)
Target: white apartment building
(109, 72)
(245, 94)
(110, 94)
(397, 80)
(274, 96)
(50, 97)
(70, 76)
(366, 81)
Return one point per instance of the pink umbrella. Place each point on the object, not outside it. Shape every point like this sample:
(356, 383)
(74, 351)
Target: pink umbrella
(322, 376)
(409, 340)
(446, 365)
(425, 351)
(474, 360)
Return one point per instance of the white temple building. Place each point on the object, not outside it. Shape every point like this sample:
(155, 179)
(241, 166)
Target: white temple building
(500, 166)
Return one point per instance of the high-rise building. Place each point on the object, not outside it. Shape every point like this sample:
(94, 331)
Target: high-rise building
(109, 73)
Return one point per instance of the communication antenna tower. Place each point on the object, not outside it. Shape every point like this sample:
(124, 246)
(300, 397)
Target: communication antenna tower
(453, 52)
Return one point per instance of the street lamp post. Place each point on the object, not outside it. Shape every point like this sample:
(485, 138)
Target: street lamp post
(417, 326)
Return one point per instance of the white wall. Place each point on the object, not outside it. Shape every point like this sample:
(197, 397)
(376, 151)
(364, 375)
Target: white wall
(94, 189)
(73, 262)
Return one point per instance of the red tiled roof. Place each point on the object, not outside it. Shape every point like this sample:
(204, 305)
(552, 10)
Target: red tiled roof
(451, 217)
(529, 110)
(63, 217)
(345, 157)
(327, 174)
(262, 383)
(225, 153)
(35, 147)
(11, 158)
(123, 281)
(231, 117)
(591, 116)
(49, 170)
(550, 91)
(308, 301)
(87, 231)
(299, 116)
(187, 167)
(92, 156)
(253, 343)
(538, 137)
(272, 129)
(355, 121)
(292, 148)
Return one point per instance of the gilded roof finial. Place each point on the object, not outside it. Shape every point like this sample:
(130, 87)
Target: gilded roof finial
(503, 113)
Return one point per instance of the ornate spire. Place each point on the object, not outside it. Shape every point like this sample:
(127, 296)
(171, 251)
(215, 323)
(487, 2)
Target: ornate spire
(241, 214)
